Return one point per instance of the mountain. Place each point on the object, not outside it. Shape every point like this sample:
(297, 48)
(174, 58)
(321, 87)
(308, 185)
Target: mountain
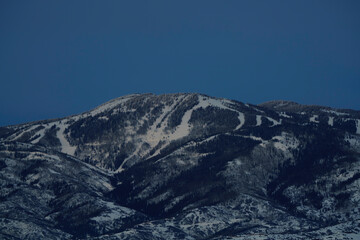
(183, 166)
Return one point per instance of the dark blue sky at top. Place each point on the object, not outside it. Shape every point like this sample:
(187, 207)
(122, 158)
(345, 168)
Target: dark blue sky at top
(64, 57)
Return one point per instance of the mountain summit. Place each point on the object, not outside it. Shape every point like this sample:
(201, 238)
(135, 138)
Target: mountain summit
(183, 166)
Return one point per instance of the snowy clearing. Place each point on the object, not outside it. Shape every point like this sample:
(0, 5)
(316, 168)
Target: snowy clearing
(314, 119)
(65, 145)
(258, 120)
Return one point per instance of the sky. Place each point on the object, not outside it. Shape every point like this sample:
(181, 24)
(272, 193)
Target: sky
(59, 58)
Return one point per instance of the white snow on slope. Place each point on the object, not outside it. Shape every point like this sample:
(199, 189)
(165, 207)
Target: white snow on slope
(331, 121)
(357, 126)
(241, 118)
(220, 103)
(194, 143)
(251, 137)
(184, 128)
(314, 119)
(41, 134)
(285, 142)
(65, 145)
(335, 112)
(27, 128)
(36, 155)
(158, 131)
(258, 110)
(161, 197)
(275, 123)
(258, 120)
(15, 137)
(353, 140)
(155, 134)
(283, 114)
(104, 118)
(111, 104)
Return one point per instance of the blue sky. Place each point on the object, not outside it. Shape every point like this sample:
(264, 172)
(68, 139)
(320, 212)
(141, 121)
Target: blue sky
(64, 57)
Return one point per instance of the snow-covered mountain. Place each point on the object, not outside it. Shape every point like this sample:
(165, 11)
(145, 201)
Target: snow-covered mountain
(183, 166)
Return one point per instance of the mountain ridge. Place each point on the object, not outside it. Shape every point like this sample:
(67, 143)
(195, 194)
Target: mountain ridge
(263, 104)
(188, 166)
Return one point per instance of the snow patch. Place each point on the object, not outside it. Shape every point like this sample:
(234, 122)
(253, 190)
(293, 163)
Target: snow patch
(41, 134)
(105, 118)
(353, 140)
(241, 118)
(65, 145)
(158, 133)
(16, 137)
(160, 198)
(283, 114)
(335, 112)
(275, 123)
(258, 120)
(184, 128)
(258, 110)
(111, 104)
(331, 121)
(285, 142)
(36, 155)
(235, 162)
(108, 186)
(53, 172)
(314, 119)
(220, 103)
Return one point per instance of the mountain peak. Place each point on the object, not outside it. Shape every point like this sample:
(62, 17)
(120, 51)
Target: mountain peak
(183, 166)
(278, 104)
